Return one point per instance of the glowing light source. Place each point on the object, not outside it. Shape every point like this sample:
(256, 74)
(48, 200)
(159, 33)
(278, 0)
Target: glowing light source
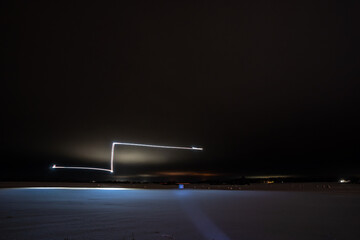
(179, 173)
(127, 144)
(344, 181)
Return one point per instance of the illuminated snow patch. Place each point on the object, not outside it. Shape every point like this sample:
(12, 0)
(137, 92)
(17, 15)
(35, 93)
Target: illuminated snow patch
(77, 188)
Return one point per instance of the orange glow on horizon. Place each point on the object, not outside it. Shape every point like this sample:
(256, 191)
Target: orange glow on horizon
(187, 174)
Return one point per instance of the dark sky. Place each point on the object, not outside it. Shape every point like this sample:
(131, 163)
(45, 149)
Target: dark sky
(265, 87)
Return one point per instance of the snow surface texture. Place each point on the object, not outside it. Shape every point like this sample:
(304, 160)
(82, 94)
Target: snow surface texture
(176, 214)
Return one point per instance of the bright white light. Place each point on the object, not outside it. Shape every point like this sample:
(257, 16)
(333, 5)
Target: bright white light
(344, 181)
(127, 144)
(196, 148)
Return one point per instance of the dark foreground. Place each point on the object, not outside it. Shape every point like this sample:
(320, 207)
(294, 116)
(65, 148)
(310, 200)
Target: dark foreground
(48, 213)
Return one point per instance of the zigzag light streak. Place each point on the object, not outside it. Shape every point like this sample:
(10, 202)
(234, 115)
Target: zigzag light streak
(127, 144)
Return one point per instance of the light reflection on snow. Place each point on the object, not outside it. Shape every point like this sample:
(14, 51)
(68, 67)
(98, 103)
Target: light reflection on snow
(204, 224)
(76, 188)
(45, 212)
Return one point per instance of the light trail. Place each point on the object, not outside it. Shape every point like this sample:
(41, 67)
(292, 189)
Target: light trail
(83, 168)
(127, 144)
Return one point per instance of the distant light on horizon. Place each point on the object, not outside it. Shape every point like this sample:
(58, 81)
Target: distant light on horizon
(180, 173)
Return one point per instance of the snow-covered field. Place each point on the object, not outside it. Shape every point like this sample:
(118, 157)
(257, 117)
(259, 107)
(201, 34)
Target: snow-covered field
(35, 213)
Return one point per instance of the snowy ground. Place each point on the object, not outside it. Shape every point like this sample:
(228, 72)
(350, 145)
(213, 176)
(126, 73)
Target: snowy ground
(28, 213)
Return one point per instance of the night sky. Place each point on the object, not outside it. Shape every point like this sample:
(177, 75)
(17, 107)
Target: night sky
(265, 87)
